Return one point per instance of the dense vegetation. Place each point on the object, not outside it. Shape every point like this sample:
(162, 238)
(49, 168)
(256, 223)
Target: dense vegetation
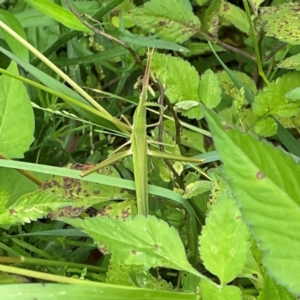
(195, 104)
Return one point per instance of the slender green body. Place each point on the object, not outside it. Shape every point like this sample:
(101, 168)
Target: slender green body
(140, 161)
(139, 148)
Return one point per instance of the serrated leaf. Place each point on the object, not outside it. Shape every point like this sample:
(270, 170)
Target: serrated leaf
(219, 186)
(169, 19)
(267, 189)
(16, 110)
(292, 62)
(17, 184)
(140, 241)
(211, 291)
(273, 100)
(266, 127)
(235, 16)
(224, 241)
(59, 14)
(276, 24)
(30, 207)
(209, 90)
(179, 78)
(83, 194)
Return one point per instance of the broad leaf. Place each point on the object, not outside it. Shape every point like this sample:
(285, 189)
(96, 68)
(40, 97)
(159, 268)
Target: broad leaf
(211, 291)
(83, 194)
(224, 241)
(179, 79)
(277, 24)
(169, 19)
(16, 116)
(140, 241)
(272, 99)
(209, 90)
(235, 16)
(266, 183)
(266, 127)
(292, 62)
(29, 207)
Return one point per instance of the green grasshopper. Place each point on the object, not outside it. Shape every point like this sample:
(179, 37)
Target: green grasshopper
(139, 147)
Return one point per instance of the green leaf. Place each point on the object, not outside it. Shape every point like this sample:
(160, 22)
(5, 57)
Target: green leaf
(55, 85)
(266, 127)
(16, 184)
(189, 138)
(273, 291)
(235, 16)
(292, 62)
(179, 79)
(59, 14)
(140, 241)
(83, 194)
(11, 21)
(211, 291)
(169, 19)
(277, 24)
(212, 17)
(196, 188)
(16, 116)
(224, 241)
(252, 270)
(266, 183)
(272, 99)
(230, 88)
(209, 90)
(255, 4)
(294, 94)
(29, 207)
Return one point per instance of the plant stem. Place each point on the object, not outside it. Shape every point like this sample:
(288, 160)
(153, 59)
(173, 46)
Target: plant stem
(50, 263)
(254, 39)
(27, 174)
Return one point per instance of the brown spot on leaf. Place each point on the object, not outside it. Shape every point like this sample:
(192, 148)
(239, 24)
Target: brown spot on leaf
(133, 252)
(260, 175)
(12, 212)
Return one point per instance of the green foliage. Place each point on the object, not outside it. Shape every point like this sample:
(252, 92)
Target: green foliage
(140, 241)
(264, 194)
(278, 25)
(13, 98)
(227, 228)
(170, 19)
(224, 254)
